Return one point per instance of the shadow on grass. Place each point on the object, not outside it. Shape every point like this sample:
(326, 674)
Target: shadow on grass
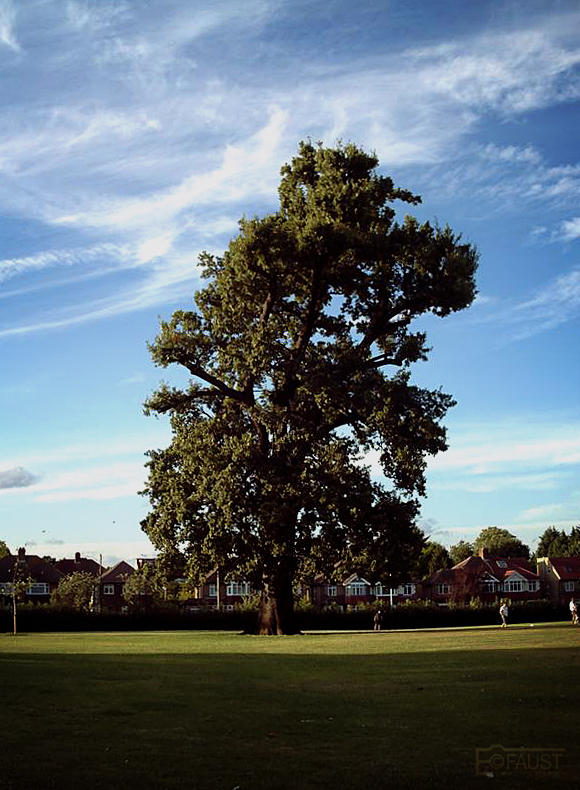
(276, 721)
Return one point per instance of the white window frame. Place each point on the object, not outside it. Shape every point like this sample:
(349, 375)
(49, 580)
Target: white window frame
(331, 590)
(237, 588)
(108, 589)
(38, 588)
(533, 586)
(408, 589)
(488, 586)
(5, 588)
(212, 591)
(357, 589)
(569, 586)
(443, 589)
(513, 585)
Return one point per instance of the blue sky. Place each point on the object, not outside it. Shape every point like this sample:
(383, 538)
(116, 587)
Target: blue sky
(133, 135)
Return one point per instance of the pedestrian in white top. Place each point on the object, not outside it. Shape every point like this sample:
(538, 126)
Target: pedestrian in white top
(504, 611)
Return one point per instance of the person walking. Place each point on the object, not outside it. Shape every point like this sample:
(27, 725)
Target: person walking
(504, 612)
(377, 620)
(574, 611)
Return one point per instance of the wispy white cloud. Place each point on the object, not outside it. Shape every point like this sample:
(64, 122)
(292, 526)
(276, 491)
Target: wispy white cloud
(101, 470)
(484, 483)
(553, 306)
(569, 229)
(542, 513)
(102, 253)
(7, 23)
(111, 448)
(136, 378)
(510, 447)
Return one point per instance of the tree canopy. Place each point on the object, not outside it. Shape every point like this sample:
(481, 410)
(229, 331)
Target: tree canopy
(461, 551)
(75, 592)
(299, 350)
(500, 543)
(4, 550)
(433, 557)
(557, 543)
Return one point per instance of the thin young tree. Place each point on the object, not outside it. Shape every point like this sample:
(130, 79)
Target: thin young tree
(299, 350)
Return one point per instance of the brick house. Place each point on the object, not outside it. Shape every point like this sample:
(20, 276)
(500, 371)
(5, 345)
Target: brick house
(206, 594)
(484, 577)
(42, 577)
(356, 589)
(561, 577)
(109, 588)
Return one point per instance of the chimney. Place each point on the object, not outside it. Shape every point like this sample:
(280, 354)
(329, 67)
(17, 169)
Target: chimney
(21, 554)
(77, 557)
(483, 553)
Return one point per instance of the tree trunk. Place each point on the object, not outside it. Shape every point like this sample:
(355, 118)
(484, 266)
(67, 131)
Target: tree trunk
(276, 611)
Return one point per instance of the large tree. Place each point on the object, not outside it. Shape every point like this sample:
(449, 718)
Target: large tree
(500, 543)
(299, 350)
(433, 557)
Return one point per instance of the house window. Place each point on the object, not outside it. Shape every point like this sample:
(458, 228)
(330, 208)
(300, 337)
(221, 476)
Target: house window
(108, 589)
(238, 588)
(488, 587)
(533, 586)
(5, 588)
(442, 589)
(568, 586)
(356, 589)
(38, 589)
(330, 590)
(408, 589)
(513, 585)
(380, 591)
(213, 591)
(501, 564)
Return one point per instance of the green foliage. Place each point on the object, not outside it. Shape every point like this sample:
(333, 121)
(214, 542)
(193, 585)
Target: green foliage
(500, 543)
(4, 550)
(74, 592)
(150, 584)
(433, 557)
(557, 543)
(249, 603)
(460, 551)
(299, 349)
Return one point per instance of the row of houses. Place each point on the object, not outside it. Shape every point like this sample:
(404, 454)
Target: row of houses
(484, 577)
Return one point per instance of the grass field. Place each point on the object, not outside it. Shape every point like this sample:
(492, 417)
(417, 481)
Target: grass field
(208, 711)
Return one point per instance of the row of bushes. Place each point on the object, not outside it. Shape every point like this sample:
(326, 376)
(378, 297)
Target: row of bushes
(45, 617)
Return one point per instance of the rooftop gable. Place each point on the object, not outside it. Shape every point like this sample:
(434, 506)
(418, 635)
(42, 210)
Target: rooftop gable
(118, 573)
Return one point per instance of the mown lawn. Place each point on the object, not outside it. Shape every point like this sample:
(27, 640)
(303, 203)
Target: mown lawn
(215, 710)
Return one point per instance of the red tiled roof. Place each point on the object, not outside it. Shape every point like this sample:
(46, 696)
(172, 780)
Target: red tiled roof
(479, 567)
(566, 568)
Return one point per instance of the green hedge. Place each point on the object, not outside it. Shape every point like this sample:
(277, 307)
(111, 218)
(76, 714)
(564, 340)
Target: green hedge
(45, 617)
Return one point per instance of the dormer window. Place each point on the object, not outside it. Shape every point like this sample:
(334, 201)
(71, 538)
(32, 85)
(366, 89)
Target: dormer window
(501, 564)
